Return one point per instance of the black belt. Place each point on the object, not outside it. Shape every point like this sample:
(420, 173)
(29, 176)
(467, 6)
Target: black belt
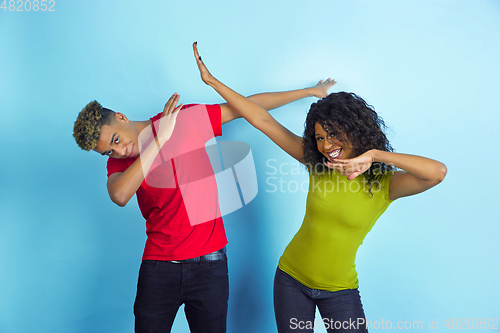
(214, 256)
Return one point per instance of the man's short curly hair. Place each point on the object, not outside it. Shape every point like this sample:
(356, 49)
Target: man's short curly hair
(89, 123)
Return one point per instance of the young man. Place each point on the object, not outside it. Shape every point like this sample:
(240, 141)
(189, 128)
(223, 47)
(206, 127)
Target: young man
(184, 260)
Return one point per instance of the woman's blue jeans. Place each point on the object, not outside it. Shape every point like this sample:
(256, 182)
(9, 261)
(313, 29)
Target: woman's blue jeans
(295, 307)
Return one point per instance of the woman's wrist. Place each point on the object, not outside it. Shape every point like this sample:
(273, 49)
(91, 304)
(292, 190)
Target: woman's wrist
(212, 82)
(376, 155)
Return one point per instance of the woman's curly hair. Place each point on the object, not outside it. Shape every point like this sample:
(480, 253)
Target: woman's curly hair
(89, 123)
(349, 119)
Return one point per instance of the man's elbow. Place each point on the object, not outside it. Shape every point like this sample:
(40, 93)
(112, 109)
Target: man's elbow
(119, 199)
(121, 203)
(441, 173)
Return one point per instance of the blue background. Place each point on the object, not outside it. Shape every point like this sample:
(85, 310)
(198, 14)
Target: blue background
(69, 257)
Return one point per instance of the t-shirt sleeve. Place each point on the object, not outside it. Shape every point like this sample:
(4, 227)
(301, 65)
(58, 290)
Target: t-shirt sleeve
(115, 165)
(386, 181)
(198, 114)
(214, 113)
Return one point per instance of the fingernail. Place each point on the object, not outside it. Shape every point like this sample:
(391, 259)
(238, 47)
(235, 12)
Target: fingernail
(195, 43)
(199, 57)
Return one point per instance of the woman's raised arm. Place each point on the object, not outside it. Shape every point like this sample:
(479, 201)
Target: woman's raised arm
(253, 113)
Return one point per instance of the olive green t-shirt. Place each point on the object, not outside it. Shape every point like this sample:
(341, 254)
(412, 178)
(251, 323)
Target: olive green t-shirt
(339, 214)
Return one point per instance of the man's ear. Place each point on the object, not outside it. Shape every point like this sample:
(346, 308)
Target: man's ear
(121, 117)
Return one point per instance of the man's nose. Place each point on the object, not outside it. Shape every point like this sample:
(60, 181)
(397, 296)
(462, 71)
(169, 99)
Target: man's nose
(121, 150)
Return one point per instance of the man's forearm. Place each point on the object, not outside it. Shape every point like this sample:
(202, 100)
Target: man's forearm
(122, 186)
(267, 101)
(274, 100)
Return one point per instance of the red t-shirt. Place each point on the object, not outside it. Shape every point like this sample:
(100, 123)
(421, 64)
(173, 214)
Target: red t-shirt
(178, 197)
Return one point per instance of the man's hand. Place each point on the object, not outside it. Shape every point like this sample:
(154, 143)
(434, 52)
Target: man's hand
(320, 90)
(167, 120)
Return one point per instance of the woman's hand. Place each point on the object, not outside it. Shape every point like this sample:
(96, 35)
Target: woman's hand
(320, 90)
(418, 173)
(205, 74)
(168, 118)
(352, 167)
(254, 113)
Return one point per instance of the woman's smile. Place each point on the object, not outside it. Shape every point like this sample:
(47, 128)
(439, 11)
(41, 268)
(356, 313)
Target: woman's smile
(334, 153)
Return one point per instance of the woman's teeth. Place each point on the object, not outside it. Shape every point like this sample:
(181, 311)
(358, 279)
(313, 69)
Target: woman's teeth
(335, 153)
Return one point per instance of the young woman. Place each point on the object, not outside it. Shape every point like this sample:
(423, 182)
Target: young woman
(352, 182)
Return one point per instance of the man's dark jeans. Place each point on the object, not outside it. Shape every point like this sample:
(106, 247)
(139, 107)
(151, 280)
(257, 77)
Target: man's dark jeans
(203, 288)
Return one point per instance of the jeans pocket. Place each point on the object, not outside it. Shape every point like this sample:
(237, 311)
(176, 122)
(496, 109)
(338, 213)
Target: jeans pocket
(148, 266)
(218, 267)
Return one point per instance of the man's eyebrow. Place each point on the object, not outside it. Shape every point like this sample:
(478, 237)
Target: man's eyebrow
(112, 138)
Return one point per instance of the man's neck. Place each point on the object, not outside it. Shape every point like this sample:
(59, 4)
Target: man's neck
(141, 125)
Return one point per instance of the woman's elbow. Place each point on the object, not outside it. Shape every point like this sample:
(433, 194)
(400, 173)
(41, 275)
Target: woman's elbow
(262, 124)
